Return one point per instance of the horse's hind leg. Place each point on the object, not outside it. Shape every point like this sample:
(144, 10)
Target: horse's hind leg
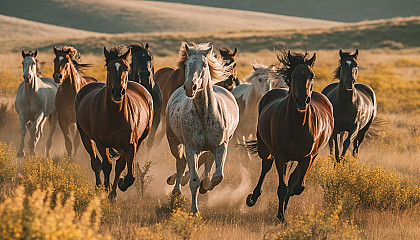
(95, 162)
(35, 131)
(351, 137)
(119, 167)
(220, 156)
(23, 130)
(64, 126)
(53, 126)
(267, 162)
(106, 164)
(128, 180)
(76, 142)
(359, 138)
(206, 158)
(192, 158)
(178, 151)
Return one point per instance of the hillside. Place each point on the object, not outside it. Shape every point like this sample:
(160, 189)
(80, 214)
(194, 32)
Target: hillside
(147, 16)
(334, 10)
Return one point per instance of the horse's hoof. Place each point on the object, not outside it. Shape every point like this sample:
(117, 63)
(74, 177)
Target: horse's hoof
(126, 182)
(171, 180)
(202, 190)
(249, 201)
(176, 193)
(184, 180)
(112, 197)
(20, 154)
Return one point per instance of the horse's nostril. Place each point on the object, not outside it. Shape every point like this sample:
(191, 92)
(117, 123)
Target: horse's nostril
(60, 76)
(122, 91)
(308, 100)
(194, 87)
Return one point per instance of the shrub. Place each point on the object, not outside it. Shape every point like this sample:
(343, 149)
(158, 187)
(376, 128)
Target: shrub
(318, 225)
(31, 217)
(65, 178)
(143, 179)
(175, 202)
(355, 185)
(184, 224)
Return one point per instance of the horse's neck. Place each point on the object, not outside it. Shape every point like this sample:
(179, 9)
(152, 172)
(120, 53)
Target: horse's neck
(251, 96)
(74, 80)
(204, 100)
(295, 117)
(344, 95)
(116, 109)
(33, 87)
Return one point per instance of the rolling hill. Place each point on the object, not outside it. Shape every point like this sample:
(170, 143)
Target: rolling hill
(126, 16)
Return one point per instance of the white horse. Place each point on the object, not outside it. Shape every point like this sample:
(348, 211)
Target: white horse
(35, 102)
(200, 117)
(248, 95)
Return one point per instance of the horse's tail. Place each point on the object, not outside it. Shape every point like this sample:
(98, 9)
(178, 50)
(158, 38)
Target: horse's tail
(251, 146)
(376, 128)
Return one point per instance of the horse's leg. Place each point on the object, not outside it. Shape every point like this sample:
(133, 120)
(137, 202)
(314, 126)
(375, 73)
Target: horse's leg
(128, 180)
(76, 141)
(161, 133)
(282, 188)
(219, 153)
(64, 126)
(53, 126)
(207, 158)
(106, 164)
(267, 162)
(155, 125)
(95, 162)
(119, 167)
(360, 136)
(336, 148)
(23, 122)
(178, 151)
(351, 137)
(204, 157)
(35, 131)
(192, 159)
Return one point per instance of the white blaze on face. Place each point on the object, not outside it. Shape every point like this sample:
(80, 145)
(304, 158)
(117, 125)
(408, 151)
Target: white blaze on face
(348, 62)
(117, 66)
(60, 58)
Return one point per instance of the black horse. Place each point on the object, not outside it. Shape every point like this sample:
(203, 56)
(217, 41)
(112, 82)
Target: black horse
(354, 105)
(142, 71)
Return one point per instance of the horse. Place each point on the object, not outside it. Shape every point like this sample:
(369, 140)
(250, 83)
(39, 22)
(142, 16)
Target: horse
(293, 126)
(228, 57)
(261, 80)
(354, 105)
(201, 117)
(116, 115)
(35, 103)
(67, 69)
(142, 71)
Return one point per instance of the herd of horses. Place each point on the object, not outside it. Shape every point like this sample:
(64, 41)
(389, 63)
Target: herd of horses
(200, 104)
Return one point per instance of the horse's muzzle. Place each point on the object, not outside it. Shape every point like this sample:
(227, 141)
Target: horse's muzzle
(190, 90)
(117, 95)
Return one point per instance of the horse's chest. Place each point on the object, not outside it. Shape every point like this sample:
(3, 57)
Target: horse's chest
(205, 132)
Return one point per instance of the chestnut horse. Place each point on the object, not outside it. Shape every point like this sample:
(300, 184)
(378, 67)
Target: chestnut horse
(354, 105)
(67, 69)
(142, 71)
(116, 115)
(293, 126)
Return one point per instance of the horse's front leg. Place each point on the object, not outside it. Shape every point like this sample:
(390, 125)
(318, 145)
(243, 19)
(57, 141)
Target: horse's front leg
(282, 188)
(219, 153)
(119, 167)
(36, 130)
(350, 138)
(23, 122)
(208, 164)
(53, 126)
(128, 180)
(192, 159)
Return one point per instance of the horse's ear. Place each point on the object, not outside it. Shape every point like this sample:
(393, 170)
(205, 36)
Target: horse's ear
(187, 49)
(253, 67)
(106, 53)
(55, 50)
(67, 52)
(23, 54)
(235, 52)
(35, 53)
(289, 55)
(127, 54)
(311, 61)
(208, 51)
(341, 53)
(147, 46)
(356, 54)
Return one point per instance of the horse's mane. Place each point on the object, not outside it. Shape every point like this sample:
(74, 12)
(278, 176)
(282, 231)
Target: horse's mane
(39, 65)
(226, 49)
(115, 53)
(340, 62)
(258, 69)
(218, 71)
(289, 62)
(75, 57)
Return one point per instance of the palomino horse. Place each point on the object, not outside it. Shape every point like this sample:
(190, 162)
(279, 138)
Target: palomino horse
(35, 102)
(249, 94)
(67, 68)
(228, 57)
(201, 117)
(116, 115)
(293, 126)
(354, 105)
(142, 71)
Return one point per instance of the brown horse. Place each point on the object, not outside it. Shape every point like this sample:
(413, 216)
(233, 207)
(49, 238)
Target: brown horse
(292, 127)
(228, 57)
(67, 69)
(117, 116)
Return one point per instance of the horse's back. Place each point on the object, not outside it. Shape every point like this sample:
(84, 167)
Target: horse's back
(226, 98)
(271, 96)
(90, 79)
(327, 91)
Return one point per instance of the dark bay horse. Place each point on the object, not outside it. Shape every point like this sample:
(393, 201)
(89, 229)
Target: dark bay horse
(228, 57)
(67, 69)
(354, 105)
(293, 126)
(142, 71)
(116, 115)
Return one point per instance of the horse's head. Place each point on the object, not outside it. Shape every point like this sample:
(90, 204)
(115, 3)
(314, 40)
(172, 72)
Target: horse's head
(117, 67)
(62, 62)
(227, 55)
(196, 69)
(347, 70)
(29, 66)
(262, 78)
(142, 63)
(302, 83)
